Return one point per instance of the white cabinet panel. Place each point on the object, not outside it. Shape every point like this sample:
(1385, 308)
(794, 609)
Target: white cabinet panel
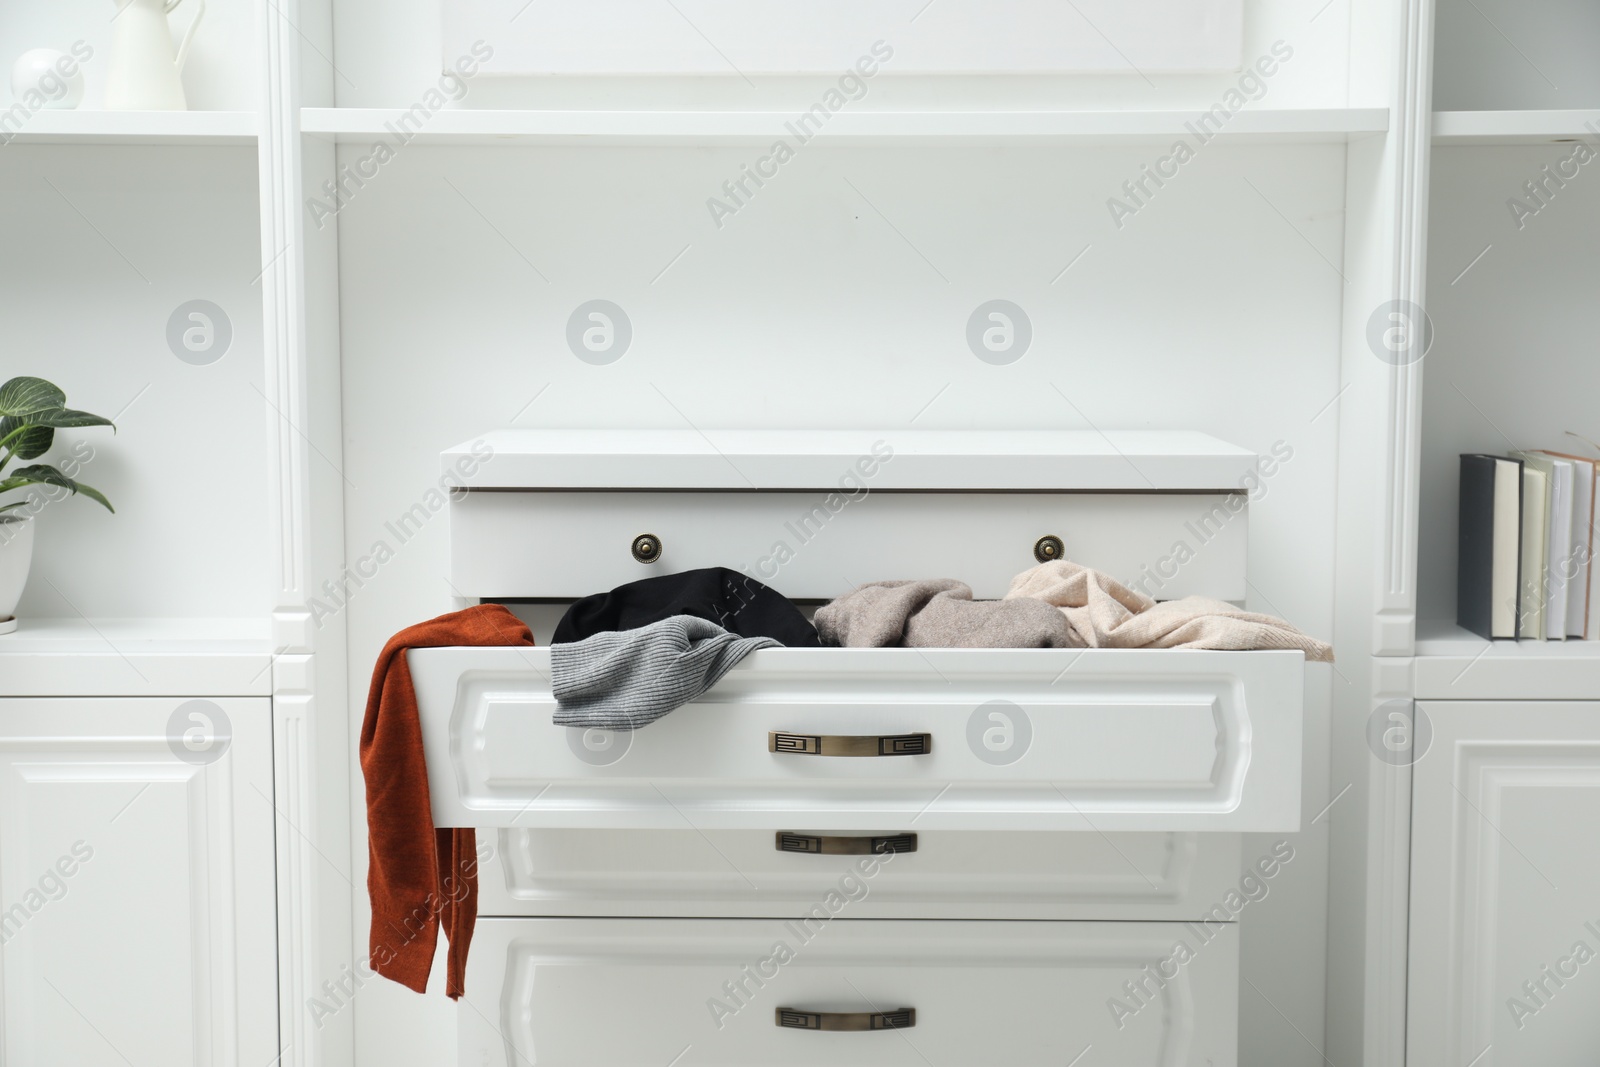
(652, 992)
(137, 886)
(1093, 739)
(952, 874)
(1505, 886)
(964, 36)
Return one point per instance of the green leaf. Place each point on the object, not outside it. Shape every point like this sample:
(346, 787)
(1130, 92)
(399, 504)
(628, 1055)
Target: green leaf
(24, 396)
(96, 495)
(64, 417)
(31, 443)
(43, 474)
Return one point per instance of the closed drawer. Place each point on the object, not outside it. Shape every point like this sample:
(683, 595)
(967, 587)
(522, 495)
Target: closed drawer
(951, 874)
(819, 545)
(652, 992)
(1012, 739)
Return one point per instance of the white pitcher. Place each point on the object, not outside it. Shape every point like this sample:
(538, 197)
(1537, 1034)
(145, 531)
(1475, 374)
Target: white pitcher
(145, 73)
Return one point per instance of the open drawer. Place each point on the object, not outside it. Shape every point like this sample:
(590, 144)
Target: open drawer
(864, 739)
(819, 991)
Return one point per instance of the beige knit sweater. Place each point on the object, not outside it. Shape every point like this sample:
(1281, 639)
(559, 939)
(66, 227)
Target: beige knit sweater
(1104, 613)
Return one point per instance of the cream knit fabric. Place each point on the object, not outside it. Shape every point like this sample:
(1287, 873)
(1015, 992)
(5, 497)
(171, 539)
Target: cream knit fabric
(937, 613)
(1104, 613)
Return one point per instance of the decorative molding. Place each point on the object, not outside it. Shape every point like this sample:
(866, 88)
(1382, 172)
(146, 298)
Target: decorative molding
(1388, 896)
(1412, 133)
(283, 298)
(1393, 625)
(1392, 677)
(293, 676)
(296, 867)
(1394, 630)
(292, 632)
(284, 347)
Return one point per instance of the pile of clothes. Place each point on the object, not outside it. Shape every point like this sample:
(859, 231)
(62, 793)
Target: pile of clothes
(623, 659)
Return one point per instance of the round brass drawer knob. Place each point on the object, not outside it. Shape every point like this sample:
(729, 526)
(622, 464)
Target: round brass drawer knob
(647, 548)
(1049, 548)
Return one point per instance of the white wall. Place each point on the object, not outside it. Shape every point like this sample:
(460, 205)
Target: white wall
(1506, 54)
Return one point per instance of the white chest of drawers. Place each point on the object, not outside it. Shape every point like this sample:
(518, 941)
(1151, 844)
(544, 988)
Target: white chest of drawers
(1045, 856)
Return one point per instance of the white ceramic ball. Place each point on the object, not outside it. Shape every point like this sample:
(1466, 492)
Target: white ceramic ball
(40, 69)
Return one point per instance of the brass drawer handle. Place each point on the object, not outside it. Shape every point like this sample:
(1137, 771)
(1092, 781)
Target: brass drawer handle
(818, 845)
(1049, 548)
(851, 745)
(646, 548)
(847, 1021)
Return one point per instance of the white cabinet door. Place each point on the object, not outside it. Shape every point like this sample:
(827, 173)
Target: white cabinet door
(136, 883)
(1505, 886)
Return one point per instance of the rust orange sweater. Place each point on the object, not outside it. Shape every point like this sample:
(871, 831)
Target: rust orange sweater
(419, 877)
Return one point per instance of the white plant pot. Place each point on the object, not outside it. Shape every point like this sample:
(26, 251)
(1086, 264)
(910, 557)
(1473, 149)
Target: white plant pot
(16, 557)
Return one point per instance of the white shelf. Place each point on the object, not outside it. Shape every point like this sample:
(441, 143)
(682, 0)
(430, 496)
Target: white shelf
(1454, 664)
(365, 125)
(135, 128)
(1514, 127)
(136, 657)
(923, 460)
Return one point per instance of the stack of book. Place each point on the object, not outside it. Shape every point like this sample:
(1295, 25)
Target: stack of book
(1527, 547)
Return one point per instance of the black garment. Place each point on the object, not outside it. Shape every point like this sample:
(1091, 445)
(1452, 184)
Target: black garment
(736, 602)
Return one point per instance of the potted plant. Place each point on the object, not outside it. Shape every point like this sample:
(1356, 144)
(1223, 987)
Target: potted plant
(31, 411)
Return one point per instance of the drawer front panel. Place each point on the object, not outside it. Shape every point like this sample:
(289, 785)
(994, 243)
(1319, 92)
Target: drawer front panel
(820, 545)
(1034, 739)
(736, 873)
(651, 992)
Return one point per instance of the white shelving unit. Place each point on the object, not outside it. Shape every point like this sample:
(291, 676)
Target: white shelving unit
(1507, 734)
(142, 691)
(1453, 664)
(136, 657)
(1515, 127)
(905, 128)
(1237, 297)
(137, 128)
